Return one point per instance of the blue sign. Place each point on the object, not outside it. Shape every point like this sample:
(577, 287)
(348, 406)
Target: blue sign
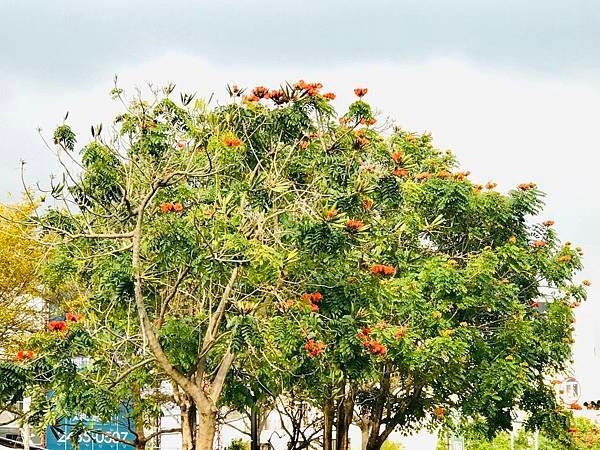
(59, 437)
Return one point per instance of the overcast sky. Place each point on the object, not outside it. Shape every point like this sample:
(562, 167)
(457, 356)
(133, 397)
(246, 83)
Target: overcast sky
(512, 87)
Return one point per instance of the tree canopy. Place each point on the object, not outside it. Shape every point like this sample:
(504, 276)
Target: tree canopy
(327, 259)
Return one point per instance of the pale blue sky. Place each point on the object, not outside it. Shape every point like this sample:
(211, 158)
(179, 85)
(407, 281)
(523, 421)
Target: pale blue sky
(75, 41)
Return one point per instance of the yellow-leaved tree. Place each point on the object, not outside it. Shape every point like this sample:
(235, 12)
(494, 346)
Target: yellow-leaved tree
(20, 257)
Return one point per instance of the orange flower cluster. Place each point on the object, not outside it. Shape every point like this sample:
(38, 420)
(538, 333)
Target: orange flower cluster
(24, 354)
(260, 92)
(538, 244)
(303, 144)
(370, 121)
(368, 204)
(423, 176)
(548, 223)
(535, 304)
(57, 325)
(586, 282)
(354, 225)
(278, 96)
(443, 174)
(564, 258)
(397, 156)
(576, 406)
(361, 140)
(360, 92)
(439, 412)
(311, 89)
(329, 96)
(526, 186)
(477, 187)
(401, 332)
(312, 300)
(251, 98)
(490, 185)
(372, 345)
(171, 207)
(232, 142)
(314, 348)
(381, 269)
(459, 176)
(401, 172)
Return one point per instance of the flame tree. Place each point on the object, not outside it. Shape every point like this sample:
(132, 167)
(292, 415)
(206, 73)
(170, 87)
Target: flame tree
(350, 265)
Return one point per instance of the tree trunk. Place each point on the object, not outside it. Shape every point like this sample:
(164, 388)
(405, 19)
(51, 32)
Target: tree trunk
(344, 420)
(205, 435)
(364, 432)
(254, 430)
(327, 424)
(188, 422)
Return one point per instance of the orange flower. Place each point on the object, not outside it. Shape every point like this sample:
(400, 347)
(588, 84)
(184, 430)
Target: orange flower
(331, 213)
(70, 317)
(317, 297)
(232, 142)
(57, 325)
(548, 223)
(368, 204)
(564, 258)
(177, 207)
(370, 121)
(329, 96)
(181, 144)
(260, 91)
(576, 406)
(526, 186)
(24, 354)
(586, 282)
(303, 144)
(381, 269)
(538, 244)
(314, 307)
(439, 412)
(354, 225)
(360, 92)
(314, 348)
(306, 298)
(477, 187)
(401, 172)
(443, 174)
(490, 185)
(461, 175)
(397, 156)
(166, 207)
(278, 96)
(251, 98)
(423, 176)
